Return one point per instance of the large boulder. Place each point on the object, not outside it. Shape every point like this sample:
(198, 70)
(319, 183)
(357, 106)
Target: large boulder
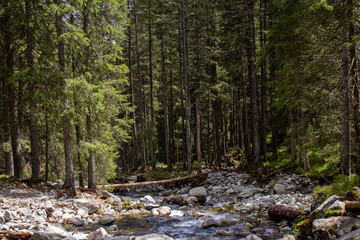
(90, 204)
(200, 193)
(338, 226)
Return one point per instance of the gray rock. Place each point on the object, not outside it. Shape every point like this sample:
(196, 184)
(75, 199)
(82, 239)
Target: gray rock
(340, 225)
(99, 233)
(164, 210)
(253, 237)
(91, 205)
(82, 212)
(191, 200)
(76, 221)
(200, 193)
(209, 222)
(279, 187)
(230, 218)
(326, 204)
(239, 228)
(57, 214)
(248, 192)
(154, 237)
(107, 219)
(148, 199)
(288, 237)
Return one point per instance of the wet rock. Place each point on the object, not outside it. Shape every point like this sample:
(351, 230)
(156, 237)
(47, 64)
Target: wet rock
(178, 199)
(147, 199)
(107, 219)
(99, 233)
(200, 193)
(191, 200)
(154, 237)
(91, 205)
(164, 210)
(240, 227)
(230, 218)
(209, 222)
(320, 211)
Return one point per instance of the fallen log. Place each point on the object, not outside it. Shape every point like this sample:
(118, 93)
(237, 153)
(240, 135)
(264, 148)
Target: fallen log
(125, 186)
(282, 212)
(350, 236)
(15, 235)
(352, 206)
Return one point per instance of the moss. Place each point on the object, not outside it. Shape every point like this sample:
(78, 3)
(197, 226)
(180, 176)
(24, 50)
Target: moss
(341, 185)
(303, 229)
(332, 213)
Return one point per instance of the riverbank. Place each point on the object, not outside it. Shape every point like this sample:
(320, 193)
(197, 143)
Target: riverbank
(228, 205)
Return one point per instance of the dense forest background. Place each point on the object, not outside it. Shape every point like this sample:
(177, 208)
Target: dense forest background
(92, 88)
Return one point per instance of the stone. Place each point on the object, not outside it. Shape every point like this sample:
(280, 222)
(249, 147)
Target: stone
(340, 225)
(248, 192)
(82, 212)
(253, 237)
(200, 193)
(164, 210)
(278, 187)
(8, 216)
(154, 237)
(57, 214)
(148, 199)
(91, 205)
(191, 200)
(99, 233)
(288, 237)
(325, 205)
(230, 218)
(107, 219)
(209, 222)
(76, 221)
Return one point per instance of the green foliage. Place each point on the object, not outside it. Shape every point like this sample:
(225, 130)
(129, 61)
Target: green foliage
(340, 186)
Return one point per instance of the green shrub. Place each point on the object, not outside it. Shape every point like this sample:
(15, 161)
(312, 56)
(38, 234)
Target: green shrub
(340, 186)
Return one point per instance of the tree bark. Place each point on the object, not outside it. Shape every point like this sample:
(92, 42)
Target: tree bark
(134, 152)
(255, 121)
(152, 125)
(187, 91)
(280, 212)
(140, 94)
(345, 147)
(34, 136)
(69, 184)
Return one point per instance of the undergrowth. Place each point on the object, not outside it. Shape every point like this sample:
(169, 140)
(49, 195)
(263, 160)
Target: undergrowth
(340, 186)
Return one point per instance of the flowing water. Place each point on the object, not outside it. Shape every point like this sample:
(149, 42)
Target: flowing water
(186, 223)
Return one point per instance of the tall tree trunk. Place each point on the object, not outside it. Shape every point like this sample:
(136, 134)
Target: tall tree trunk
(34, 138)
(165, 102)
(345, 148)
(90, 116)
(354, 80)
(5, 100)
(187, 91)
(134, 152)
(152, 125)
(47, 140)
(263, 28)
(255, 121)
(69, 184)
(140, 94)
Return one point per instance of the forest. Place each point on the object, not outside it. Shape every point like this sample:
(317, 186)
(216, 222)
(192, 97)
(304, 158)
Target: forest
(94, 89)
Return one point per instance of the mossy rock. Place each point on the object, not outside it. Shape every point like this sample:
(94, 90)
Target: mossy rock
(353, 194)
(304, 228)
(333, 212)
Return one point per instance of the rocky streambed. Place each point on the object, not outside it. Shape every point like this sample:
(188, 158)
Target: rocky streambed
(228, 205)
